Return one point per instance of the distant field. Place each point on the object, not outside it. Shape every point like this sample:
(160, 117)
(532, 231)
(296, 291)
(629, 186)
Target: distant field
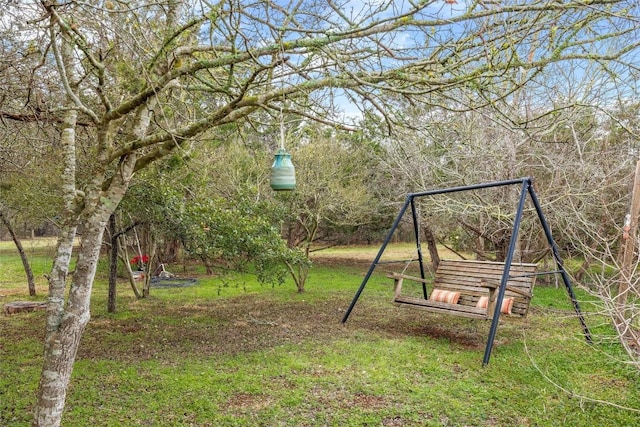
(393, 252)
(40, 242)
(40, 252)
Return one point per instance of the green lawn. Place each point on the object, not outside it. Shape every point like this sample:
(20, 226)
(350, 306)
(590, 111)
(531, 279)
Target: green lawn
(236, 353)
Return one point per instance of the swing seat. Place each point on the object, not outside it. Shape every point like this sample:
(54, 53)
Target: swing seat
(469, 288)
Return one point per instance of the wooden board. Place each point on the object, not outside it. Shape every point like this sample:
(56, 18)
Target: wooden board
(23, 306)
(441, 307)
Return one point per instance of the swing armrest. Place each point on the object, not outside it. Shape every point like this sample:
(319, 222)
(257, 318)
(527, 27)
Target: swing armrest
(398, 278)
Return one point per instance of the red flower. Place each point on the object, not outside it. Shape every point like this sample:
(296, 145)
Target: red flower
(138, 258)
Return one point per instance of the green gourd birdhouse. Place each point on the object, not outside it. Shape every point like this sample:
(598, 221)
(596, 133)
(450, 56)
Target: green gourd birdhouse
(283, 173)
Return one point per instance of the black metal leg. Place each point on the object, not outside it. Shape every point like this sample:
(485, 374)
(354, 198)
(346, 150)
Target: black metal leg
(563, 272)
(408, 200)
(505, 273)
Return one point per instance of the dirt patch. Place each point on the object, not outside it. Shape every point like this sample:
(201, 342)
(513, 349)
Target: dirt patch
(243, 325)
(363, 262)
(228, 326)
(251, 323)
(241, 403)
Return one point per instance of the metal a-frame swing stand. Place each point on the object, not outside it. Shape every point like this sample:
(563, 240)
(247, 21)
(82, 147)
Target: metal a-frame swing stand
(527, 189)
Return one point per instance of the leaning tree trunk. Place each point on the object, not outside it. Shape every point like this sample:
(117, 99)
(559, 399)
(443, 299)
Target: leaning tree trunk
(122, 253)
(23, 256)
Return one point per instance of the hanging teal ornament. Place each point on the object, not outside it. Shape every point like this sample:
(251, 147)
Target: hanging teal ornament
(283, 174)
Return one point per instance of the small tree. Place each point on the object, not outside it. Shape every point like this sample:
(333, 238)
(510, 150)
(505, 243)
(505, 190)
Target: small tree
(6, 221)
(332, 193)
(223, 223)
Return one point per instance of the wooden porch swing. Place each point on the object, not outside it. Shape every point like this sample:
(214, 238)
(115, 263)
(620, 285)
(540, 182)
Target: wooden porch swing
(475, 289)
(468, 288)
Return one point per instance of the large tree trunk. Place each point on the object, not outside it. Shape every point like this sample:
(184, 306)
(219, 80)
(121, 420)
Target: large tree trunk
(23, 256)
(62, 332)
(66, 323)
